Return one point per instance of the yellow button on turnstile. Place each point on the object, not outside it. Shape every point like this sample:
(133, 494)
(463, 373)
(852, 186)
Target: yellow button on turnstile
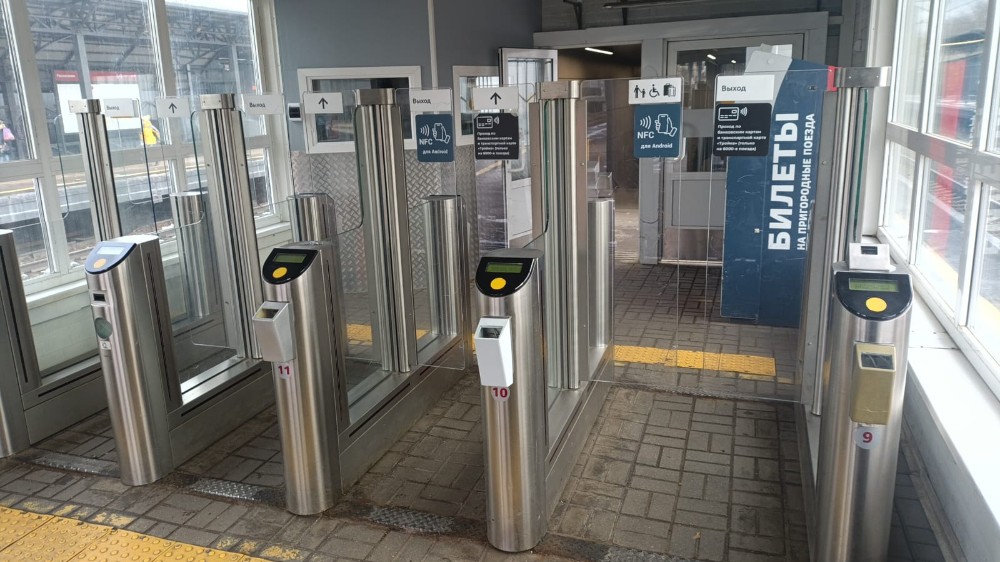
(498, 283)
(876, 304)
(100, 263)
(279, 272)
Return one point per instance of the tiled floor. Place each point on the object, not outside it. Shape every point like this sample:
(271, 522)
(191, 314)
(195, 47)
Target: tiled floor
(683, 464)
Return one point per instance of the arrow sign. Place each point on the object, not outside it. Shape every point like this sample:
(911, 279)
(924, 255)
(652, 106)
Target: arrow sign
(173, 107)
(504, 98)
(314, 103)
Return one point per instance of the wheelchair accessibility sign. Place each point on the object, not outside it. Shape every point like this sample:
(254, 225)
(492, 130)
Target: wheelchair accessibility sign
(658, 130)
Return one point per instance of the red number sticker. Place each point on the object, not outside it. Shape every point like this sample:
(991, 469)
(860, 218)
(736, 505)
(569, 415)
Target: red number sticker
(500, 393)
(867, 437)
(284, 370)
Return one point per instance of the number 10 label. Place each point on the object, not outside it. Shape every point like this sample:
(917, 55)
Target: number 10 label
(500, 393)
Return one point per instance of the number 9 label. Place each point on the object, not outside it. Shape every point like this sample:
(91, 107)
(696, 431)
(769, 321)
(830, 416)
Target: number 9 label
(867, 437)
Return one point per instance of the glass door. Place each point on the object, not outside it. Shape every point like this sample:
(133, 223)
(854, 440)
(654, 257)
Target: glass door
(524, 68)
(694, 188)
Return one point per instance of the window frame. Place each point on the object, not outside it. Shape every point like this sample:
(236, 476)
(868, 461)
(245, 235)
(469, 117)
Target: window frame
(306, 77)
(43, 166)
(973, 158)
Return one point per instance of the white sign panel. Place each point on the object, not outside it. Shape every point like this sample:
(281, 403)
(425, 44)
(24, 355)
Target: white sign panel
(173, 107)
(655, 90)
(315, 103)
(272, 104)
(744, 88)
(121, 108)
(504, 98)
(428, 101)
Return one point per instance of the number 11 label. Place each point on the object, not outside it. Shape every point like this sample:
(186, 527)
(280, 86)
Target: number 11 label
(285, 370)
(867, 437)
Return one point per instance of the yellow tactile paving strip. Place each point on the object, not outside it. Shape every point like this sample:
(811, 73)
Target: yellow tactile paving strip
(25, 537)
(752, 365)
(748, 366)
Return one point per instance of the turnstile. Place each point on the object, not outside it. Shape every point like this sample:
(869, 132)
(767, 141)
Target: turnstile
(128, 297)
(298, 333)
(545, 341)
(865, 373)
(512, 371)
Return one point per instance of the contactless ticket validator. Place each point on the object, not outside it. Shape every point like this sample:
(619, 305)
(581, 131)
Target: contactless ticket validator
(508, 344)
(128, 295)
(865, 373)
(298, 329)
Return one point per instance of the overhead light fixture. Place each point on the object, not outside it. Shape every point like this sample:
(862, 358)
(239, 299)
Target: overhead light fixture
(596, 50)
(711, 56)
(645, 4)
(733, 61)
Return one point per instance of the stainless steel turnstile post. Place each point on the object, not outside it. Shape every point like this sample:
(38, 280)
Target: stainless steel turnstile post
(559, 154)
(98, 168)
(832, 227)
(128, 295)
(444, 225)
(314, 217)
(601, 222)
(297, 331)
(17, 350)
(382, 176)
(195, 249)
(512, 370)
(862, 414)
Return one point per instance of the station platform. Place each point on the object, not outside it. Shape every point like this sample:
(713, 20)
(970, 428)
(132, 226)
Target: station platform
(694, 457)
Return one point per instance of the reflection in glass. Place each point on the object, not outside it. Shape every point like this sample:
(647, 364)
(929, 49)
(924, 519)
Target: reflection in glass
(20, 211)
(699, 68)
(78, 59)
(959, 68)
(339, 127)
(465, 86)
(910, 61)
(939, 253)
(985, 317)
(899, 193)
(13, 133)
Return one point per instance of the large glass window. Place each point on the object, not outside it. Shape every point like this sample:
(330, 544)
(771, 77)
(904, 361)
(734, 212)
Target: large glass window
(92, 49)
(899, 193)
(942, 235)
(960, 46)
(985, 317)
(939, 184)
(13, 133)
(915, 17)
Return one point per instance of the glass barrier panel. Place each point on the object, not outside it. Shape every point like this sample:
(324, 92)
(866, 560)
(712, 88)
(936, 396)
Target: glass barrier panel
(63, 326)
(20, 211)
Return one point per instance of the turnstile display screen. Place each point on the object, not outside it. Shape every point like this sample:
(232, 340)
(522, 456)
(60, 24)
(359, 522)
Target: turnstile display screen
(873, 285)
(110, 250)
(504, 267)
(289, 258)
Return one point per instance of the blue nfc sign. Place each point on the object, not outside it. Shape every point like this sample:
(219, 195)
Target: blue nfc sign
(658, 130)
(435, 133)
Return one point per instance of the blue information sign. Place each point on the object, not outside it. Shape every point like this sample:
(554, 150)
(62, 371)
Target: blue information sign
(658, 130)
(435, 133)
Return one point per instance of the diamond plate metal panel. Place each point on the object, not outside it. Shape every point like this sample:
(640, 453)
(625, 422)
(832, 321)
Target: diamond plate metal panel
(414, 521)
